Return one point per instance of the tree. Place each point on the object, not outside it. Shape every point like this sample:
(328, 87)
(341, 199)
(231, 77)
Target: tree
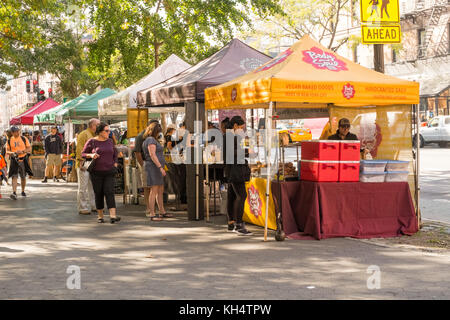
(132, 37)
(319, 18)
(21, 28)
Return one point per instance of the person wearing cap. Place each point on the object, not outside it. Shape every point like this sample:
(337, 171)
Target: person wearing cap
(53, 147)
(17, 148)
(343, 133)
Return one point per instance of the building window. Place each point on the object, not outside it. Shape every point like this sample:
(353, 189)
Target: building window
(448, 36)
(421, 40)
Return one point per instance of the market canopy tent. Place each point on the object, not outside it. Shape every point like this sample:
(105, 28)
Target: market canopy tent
(49, 116)
(308, 73)
(27, 117)
(233, 60)
(185, 92)
(85, 109)
(115, 107)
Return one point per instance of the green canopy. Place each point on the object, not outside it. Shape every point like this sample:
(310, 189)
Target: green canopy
(49, 116)
(87, 108)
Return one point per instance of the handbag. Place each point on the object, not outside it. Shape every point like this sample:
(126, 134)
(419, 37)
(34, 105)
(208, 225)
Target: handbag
(88, 165)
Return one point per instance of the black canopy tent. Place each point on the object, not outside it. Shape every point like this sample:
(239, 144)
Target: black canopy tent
(187, 90)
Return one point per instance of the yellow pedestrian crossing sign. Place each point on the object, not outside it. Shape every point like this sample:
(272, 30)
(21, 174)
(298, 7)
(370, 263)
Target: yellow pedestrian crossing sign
(380, 11)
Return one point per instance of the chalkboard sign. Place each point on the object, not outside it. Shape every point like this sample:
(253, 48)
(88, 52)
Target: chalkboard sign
(38, 166)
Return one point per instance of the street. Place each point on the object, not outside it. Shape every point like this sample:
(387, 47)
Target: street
(43, 239)
(435, 183)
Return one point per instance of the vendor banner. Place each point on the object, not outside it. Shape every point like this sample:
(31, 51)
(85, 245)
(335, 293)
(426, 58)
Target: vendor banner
(136, 121)
(255, 204)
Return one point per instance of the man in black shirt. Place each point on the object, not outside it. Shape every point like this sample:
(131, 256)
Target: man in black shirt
(343, 133)
(53, 149)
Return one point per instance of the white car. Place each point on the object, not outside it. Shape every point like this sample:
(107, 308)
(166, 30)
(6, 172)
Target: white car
(436, 131)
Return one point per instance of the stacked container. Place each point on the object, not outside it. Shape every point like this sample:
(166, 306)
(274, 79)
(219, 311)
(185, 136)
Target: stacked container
(330, 160)
(397, 171)
(373, 170)
(320, 161)
(349, 155)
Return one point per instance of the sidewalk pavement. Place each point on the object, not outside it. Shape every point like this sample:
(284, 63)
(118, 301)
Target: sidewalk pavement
(42, 235)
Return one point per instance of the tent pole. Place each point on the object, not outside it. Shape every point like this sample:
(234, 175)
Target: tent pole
(419, 217)
(207, 166)
(196, 170)
(68, 143)
(268, 116)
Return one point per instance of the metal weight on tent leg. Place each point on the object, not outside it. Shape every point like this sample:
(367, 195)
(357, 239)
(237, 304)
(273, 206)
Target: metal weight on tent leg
(279, 235)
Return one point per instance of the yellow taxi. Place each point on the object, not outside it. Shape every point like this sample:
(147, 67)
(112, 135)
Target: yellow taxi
(295, 134)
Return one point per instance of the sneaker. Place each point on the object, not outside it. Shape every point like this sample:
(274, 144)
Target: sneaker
(45, 180)
(13, 196)
(231, 227)
(241, 230)
(55, 179)
(24, 194)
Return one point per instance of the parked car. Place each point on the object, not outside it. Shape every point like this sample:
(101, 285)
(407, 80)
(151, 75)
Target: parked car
(295, 134)
(436, 131)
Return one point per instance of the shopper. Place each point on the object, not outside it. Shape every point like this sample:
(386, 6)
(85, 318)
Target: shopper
(154, 167)
(139, 154)
(2, 172)
(53, 147)
(101, 149)
(237, 173)
(85, 196)
(18, 148)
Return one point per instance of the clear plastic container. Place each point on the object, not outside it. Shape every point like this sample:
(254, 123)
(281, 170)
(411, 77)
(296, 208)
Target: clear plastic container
(373, 166)
(397, 176)
(372, 177)
(397, 165)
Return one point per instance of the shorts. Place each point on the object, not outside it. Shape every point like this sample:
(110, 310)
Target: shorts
(53, 160)
(143, 176)
(20, 170)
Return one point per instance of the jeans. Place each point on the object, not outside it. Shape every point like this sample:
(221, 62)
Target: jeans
(103, 183)
(236, 201)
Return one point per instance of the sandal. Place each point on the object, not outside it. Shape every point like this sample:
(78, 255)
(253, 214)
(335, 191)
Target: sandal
(101, 220)
(156, 217)
(167, 215)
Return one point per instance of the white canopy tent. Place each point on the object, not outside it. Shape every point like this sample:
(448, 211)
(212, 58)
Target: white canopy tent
(115, 107)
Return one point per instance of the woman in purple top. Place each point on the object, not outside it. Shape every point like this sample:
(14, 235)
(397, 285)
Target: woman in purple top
(102, 150)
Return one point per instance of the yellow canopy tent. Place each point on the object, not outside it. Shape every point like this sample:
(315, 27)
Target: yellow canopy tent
(308, 75)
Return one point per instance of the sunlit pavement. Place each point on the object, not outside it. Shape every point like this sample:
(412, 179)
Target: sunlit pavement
(42, 235)
(435, 183)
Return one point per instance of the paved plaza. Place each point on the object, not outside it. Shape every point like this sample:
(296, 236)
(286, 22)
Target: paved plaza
(43, 235)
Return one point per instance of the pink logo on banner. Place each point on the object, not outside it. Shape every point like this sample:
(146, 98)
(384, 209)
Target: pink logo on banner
(254, 202)
(277, 60)
(348, 91)
(322, 60)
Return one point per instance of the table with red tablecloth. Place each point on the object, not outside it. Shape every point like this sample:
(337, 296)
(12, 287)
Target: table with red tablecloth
(323, 210)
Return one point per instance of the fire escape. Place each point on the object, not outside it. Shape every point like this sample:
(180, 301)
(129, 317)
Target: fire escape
(435, 22)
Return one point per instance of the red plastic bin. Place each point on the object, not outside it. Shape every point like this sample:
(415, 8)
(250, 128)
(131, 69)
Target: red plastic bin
(349, 150)
(349, 171)
(320, 171)
(322, 150)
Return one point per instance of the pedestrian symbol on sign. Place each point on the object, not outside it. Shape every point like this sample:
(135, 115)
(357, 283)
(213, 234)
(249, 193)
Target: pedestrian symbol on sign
(378, 11)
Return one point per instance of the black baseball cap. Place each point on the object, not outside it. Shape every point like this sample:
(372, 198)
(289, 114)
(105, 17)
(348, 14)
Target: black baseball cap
(344, 122)
(14, 129)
